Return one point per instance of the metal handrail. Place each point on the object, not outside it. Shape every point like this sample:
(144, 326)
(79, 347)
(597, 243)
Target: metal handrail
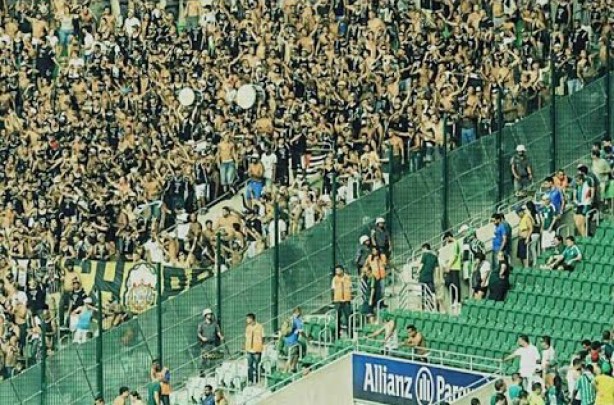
(454, 304)
(560, 228)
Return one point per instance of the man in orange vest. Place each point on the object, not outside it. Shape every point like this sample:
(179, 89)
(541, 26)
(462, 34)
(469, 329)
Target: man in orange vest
(342, 298)
(254, 342)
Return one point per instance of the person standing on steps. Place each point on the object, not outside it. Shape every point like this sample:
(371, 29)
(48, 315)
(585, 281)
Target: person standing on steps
(377, 262)
(452, 269)
(429, 262)
(522, 171)
(209, 338)
(380, 237)
(363, 251)
(342, 299)
(254, 344)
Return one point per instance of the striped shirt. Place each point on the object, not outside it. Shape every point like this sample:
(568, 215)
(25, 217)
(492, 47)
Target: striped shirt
(586, 389)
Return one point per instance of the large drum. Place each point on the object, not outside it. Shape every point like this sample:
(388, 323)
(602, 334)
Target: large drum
(246, 96)
(186, 96)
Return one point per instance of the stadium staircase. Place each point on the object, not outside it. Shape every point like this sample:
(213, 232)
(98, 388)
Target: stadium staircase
(568, 306)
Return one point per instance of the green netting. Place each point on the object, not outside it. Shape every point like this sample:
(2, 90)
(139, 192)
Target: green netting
(306, 259)
(67, 377)
(8, 393)
(127, 357)
(27, 386)
(246, 288)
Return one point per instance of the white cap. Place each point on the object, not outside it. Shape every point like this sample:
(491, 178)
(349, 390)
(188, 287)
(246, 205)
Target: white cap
(520, 148)
(464, 228)
(363, 239)
(380, 220)
(88, 300)
(207, 312)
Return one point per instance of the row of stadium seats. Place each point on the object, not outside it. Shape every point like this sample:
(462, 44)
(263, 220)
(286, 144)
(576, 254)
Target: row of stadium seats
(568, 306)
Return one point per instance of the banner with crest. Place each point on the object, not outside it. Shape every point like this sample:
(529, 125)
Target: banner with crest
(134, 283)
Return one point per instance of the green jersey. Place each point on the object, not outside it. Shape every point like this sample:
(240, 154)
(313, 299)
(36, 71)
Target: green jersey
(429, 264)
(571, 253)
(548, 214)
(152, 388)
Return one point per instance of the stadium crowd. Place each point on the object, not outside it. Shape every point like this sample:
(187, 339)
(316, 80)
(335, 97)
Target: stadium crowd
(99, 157)
(94, 135)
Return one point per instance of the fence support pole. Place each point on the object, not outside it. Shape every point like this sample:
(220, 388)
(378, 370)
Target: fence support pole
(159, 311)
(99, 367)
(276, 271)
(43, 381)
(608, 90)
(445, 196)
(334, 220)
(553, 140)
(499, 146)
(218, 277)
(390, 202)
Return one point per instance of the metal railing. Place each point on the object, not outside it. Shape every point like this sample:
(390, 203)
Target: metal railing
(491, 367)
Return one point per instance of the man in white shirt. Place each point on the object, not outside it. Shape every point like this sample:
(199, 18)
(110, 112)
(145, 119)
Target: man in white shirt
(130, 22)
(529, 360)
(269, 161)
(548, 357)
(573, 375)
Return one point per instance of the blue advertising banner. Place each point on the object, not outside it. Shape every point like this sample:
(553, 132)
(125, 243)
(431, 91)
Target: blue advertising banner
(395, 381)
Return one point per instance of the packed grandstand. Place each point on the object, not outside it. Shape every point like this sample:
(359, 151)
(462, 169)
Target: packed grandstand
(191, 137)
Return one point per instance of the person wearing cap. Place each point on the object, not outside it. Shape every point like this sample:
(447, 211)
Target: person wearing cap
(380, 238)
(362, 252)
(84, 316)
(209, 337)
(342, 298)
(522, 171)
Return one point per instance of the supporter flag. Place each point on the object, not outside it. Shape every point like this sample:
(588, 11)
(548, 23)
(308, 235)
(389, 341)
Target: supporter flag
(134, 283)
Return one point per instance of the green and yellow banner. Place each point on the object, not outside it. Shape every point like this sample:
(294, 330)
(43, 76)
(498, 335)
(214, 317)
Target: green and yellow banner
(134, 283)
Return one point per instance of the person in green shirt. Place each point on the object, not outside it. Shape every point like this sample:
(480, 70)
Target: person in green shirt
(568, 259)
(428, 265)
(154, 389)
(515, 387)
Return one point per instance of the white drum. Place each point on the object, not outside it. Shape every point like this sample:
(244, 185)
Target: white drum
(186, 96)
(246, 96)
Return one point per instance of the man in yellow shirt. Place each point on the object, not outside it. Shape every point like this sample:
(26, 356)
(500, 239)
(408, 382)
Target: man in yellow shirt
(536, 397)
(342, 298)
(604, 384)
(254, 342)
